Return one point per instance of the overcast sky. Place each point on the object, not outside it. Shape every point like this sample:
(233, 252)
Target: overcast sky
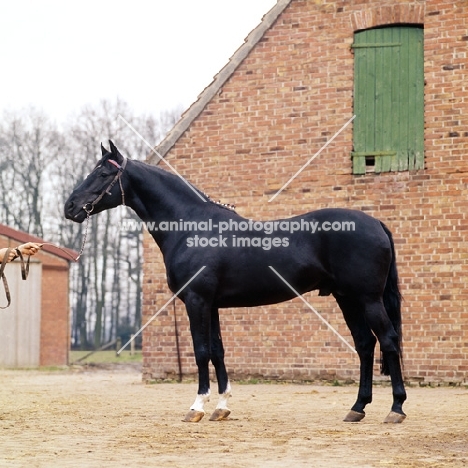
(155, 54)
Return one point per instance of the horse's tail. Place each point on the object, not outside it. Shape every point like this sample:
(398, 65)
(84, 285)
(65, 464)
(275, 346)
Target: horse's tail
(392, 302)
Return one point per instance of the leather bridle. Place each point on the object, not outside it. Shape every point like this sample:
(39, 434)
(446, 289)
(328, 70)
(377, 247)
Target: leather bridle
(92, 204)
(89, 207)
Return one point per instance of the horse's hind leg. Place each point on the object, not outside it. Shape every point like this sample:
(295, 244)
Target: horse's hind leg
(364, 340)
(381, 325)
(217, 358)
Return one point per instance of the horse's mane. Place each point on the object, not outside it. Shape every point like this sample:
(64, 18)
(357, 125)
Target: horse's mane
(175, 177)
(226, 206)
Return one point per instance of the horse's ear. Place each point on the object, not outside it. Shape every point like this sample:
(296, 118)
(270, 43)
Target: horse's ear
(103, 150)
(114, 151)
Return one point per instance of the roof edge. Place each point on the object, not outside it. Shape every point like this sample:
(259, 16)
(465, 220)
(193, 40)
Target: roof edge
(219, 80)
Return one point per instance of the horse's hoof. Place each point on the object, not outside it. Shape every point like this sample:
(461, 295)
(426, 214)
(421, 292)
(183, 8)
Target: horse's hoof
(354, 416)
(219, 414)
(395, 418)
(194, 416)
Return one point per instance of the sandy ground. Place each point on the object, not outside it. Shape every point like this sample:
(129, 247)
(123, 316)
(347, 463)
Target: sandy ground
(109, 418)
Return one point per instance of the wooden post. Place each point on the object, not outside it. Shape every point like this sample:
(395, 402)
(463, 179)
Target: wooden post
(118, 345)
(132, 345)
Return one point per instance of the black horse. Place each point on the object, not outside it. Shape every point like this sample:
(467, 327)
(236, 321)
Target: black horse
(218, 259)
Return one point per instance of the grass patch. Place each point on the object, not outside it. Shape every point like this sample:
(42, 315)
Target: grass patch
(106, 357)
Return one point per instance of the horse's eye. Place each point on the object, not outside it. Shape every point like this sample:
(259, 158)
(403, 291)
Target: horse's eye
(104, 174)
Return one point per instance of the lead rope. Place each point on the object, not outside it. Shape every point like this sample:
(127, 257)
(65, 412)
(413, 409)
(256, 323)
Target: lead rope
(25, 266)
(24, 272)
(5, 282)
(88, 215)
(25, 269)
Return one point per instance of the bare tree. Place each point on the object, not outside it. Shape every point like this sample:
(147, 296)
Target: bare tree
(39, 166)
(29, 142)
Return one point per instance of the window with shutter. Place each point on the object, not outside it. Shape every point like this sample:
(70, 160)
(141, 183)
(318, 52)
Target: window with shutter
(388, 99)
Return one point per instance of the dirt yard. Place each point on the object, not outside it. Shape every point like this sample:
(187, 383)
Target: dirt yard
(109, 418)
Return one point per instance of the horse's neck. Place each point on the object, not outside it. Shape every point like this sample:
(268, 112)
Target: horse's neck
(157, 196)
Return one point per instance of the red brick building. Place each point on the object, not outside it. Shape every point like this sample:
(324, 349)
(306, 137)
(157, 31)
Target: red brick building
(35, 328)
(401, 68)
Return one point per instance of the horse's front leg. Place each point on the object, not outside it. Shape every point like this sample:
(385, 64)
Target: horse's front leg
(199, 313)
(217, 358)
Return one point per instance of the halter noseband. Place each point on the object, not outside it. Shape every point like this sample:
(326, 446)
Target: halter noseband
(117, 177)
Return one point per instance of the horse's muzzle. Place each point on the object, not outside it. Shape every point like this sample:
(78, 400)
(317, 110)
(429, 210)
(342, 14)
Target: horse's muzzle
(74, 212)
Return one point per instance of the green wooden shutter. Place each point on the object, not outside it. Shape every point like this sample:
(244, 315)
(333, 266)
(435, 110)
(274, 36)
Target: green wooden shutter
(388, 99)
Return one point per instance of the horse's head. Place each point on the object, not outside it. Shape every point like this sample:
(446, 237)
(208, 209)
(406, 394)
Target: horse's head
(102, 189)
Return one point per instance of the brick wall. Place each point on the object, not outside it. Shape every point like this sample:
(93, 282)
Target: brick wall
(286, 99)
(55, 329)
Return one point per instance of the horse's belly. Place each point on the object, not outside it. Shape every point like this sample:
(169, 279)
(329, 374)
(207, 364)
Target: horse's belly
(257, 292)
(251, 300)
